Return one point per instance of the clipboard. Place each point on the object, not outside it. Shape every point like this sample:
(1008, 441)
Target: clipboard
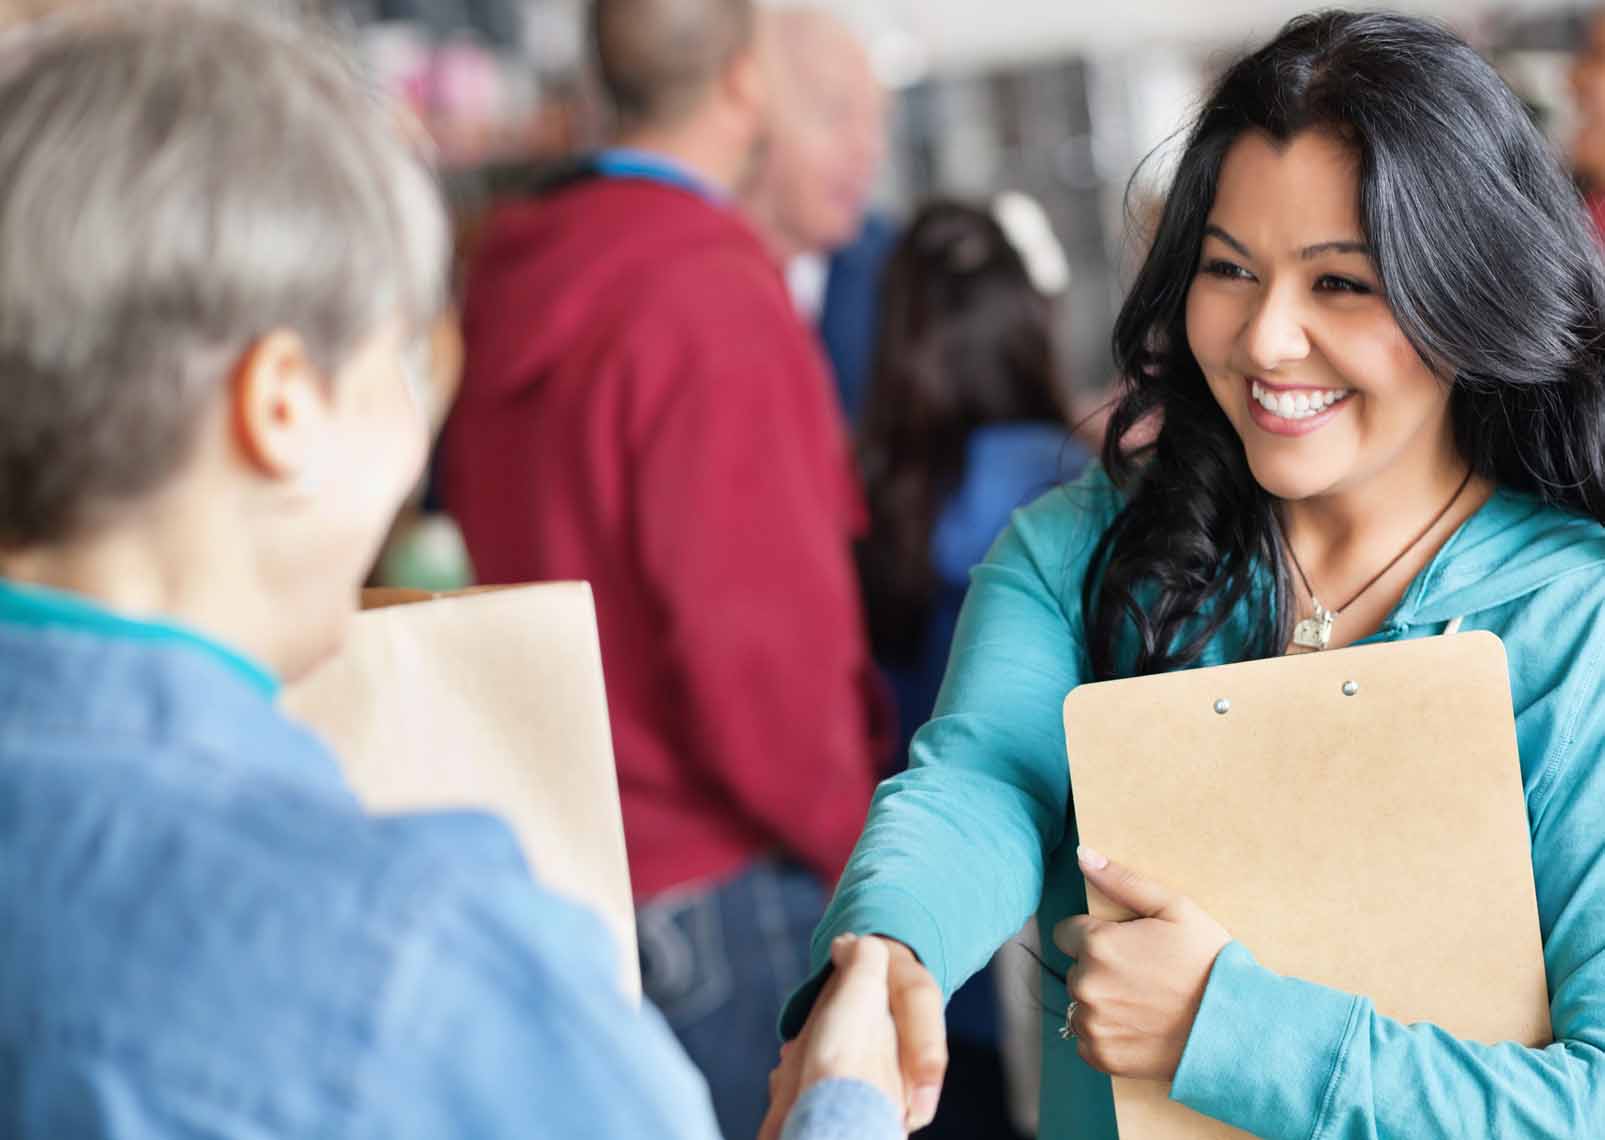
(489, 699)
(1355, 818)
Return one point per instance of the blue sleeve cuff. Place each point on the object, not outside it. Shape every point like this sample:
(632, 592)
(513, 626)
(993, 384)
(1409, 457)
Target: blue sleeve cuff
(1264, 1050)
(843, 1110)
(886, 911)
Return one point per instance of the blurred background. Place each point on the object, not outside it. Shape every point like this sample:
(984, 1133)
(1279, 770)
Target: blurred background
(1060, 100)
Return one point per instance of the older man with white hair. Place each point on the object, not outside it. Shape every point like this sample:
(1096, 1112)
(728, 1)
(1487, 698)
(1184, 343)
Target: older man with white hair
(810, 195)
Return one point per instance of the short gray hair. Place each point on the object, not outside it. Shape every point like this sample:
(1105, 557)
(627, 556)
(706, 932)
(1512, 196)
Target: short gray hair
(176, 181)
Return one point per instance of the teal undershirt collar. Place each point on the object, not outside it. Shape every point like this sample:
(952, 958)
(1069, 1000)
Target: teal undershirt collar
(38, 607)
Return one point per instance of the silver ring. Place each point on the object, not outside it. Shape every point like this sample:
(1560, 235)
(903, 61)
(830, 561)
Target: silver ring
(1066, 1033)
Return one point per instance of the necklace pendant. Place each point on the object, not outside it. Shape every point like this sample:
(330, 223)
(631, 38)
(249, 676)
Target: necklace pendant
(1315, 632)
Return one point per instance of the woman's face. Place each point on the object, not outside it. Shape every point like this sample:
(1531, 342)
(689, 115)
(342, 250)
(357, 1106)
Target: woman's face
(1287, 321)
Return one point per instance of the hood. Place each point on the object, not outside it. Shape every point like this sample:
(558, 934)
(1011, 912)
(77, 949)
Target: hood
(1512, 547)
(551, 277)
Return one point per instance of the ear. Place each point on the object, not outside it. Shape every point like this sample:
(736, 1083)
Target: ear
(746, 82)
(278, 402)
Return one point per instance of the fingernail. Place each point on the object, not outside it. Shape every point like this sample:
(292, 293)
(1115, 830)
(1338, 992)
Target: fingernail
(843, 940)
(1091, 859)
(923, 1108)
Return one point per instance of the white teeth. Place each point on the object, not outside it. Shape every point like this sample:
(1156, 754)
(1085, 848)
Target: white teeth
(1296, 405)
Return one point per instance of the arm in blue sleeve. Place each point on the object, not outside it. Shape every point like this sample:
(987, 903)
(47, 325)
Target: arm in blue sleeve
(511, 1024)
(517, 1028)
(843, 1110)
(951, 860)
(1287, 1060)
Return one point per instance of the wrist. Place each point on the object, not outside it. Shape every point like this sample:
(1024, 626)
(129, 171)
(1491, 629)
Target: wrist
(900, 951)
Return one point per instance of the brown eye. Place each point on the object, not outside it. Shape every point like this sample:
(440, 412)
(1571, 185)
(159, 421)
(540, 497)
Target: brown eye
(1231, 271)
(1330, 283)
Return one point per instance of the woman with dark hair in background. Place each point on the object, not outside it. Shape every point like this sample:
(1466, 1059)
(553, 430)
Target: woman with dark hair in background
(962, 426)
(1372, 329)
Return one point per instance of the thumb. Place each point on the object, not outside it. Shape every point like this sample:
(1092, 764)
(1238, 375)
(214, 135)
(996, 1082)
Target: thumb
(1123, 886)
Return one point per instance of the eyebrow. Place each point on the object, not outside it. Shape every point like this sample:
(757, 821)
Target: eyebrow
(1305, 254)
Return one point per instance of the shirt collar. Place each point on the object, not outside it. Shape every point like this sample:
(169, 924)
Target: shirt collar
(40, 607)
(808, 276)
(648, 166)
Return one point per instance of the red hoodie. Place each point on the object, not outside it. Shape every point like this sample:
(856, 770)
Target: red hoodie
(643, 409)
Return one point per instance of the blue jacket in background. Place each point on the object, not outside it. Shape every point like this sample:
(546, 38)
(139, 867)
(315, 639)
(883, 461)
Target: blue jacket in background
(848, 323)
(202, 934)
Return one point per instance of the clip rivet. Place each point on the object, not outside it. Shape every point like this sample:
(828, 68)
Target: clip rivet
(1223, 706)
(1350, 688)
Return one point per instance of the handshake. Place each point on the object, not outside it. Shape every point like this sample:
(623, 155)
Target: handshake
(878, 1020)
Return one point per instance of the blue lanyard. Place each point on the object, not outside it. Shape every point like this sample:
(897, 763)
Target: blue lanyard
(648, 167)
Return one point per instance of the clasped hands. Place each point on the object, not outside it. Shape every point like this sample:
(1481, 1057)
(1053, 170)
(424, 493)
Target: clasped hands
(1136, 986)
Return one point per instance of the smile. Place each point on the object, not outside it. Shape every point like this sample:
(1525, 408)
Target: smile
(1297, 403)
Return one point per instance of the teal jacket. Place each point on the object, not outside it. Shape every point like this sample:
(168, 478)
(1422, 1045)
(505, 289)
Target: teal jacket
(959, 850)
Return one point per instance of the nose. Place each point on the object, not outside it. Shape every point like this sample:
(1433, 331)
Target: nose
(1274, 332)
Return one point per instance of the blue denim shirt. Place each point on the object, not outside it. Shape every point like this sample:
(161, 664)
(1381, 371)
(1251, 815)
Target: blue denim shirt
(203, 935)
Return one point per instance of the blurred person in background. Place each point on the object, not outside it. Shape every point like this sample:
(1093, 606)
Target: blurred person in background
(811, 191)
(963, 425)
(1588, 143)
(642, 409)
(209, 423)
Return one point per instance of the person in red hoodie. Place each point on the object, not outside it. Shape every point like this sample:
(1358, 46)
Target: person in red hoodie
(1588, 139)
(643, 409)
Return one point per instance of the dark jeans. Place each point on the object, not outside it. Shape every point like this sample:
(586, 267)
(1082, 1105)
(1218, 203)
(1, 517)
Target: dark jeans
(719, 962)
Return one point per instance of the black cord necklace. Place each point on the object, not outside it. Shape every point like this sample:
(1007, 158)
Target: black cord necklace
(1316, 632)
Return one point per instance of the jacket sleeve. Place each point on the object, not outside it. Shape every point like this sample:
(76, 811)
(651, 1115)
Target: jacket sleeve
(747, 504)
(507, 1022)
(951, 862)
(1288, 1060)
(843, 1110)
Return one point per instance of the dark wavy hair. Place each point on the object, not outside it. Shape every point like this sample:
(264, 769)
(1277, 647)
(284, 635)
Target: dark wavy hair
(1486, 259)
(965, 340)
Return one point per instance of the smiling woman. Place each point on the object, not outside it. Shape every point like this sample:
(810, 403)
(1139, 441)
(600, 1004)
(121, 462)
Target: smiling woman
(1371, 333)
(1371, 278)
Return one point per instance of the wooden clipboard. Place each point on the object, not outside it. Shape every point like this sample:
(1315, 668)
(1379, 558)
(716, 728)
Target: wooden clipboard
(1355, 818)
